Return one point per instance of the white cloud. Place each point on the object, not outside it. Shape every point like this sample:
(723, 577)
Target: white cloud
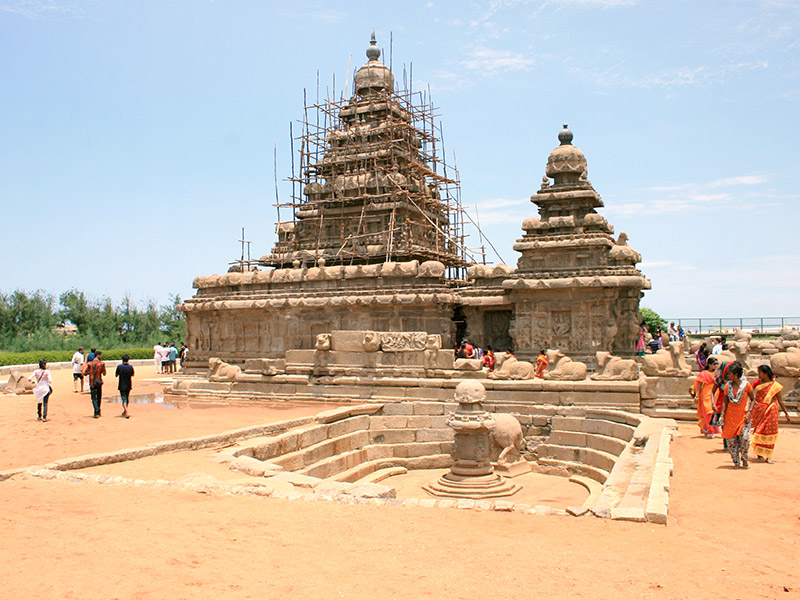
(597, 3)
(739, 180)
(501, 211)
(665, 199)
(330, 16)
(490, 61)
(34, 9)
(675, 78)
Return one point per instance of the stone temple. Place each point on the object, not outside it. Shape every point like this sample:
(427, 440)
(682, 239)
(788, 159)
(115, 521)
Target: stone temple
(369, 280)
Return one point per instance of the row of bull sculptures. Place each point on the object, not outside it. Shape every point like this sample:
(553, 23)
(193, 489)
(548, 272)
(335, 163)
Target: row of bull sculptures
(669, 361)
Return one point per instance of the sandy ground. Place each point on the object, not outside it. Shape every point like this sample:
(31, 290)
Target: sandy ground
(731, 534)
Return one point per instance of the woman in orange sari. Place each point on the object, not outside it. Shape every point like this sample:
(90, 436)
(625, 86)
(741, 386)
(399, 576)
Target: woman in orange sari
(541, 364)
(737, 404)
(703, 393)
(765, 413)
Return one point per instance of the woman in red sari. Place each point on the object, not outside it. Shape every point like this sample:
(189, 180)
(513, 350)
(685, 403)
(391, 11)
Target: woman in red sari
(737, 404)
(765, 413)
(703, 393)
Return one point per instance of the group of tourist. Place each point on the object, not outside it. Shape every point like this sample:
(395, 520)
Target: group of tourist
(166, 356)
(702, 354)
(467, 350)
(745, 414)
(91, 366)
(647, 342)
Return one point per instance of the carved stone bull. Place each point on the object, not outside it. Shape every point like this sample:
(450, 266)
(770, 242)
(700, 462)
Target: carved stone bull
(786, 364)
(222, 371)
(512, 368)
(611, 367)
(561, 367)
(668, 361)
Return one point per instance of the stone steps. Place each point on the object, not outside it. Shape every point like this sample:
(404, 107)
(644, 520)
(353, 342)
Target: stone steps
(362, 470)
(381, 474)
(588, 456)
(603, 426)
(598, 475)
(595, 441)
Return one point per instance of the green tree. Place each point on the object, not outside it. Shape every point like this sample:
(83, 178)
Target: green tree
(653, 320)
(172, 322)
(23, 314)
(75, 309)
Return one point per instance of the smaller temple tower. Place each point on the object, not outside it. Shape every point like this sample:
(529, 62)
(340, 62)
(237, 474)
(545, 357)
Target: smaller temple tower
(576, 287)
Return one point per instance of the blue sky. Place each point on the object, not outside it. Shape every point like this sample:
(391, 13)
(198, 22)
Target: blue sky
(137, 137)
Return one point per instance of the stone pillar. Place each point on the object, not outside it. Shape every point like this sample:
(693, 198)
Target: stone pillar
(472, 474)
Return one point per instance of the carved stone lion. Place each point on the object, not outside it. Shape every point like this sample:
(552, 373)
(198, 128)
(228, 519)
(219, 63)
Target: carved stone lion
(222, 371)
(371, 341)
(611, 367)
(323, 342)
(561, 367)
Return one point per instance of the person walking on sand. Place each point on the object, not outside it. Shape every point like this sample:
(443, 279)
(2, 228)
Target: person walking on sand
(703, 393)
(97, 368)
(124, 373)
(765, 413)
(737, 405)
(42, 390)
(77, 369)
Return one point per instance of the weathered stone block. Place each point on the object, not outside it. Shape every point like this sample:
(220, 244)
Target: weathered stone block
(434, 435)
(422, 449)
(390, 422)
(377, 452)
(349, 425)
(312, 435)
(398, 408)
(350, 442)
(428, 408)
(392, 436)
(567, 424)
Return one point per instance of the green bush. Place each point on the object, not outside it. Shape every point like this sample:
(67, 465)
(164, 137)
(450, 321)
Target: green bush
(53, 356)
(653, 320)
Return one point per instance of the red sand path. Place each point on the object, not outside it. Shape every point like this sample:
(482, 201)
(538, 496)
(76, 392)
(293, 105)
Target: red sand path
(731, 534)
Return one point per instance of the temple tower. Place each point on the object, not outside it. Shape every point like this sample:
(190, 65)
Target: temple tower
(373, 187)
(576, 287)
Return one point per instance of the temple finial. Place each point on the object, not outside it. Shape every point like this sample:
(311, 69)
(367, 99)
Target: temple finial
(373, 52)
(565, 136)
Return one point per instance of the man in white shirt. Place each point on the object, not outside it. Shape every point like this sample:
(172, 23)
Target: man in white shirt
(158, 355)
(717, 349)
(77, 364)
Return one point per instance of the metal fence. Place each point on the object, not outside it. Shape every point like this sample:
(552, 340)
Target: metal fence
(721, 325)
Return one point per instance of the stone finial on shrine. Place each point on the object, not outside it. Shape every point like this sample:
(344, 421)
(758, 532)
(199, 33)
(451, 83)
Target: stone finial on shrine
(374, 77)
(566, 164)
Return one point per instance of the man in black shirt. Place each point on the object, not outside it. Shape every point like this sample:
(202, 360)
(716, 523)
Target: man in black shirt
(125, 373)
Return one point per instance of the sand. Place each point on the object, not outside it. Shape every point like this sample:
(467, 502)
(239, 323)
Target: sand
(731, 534)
